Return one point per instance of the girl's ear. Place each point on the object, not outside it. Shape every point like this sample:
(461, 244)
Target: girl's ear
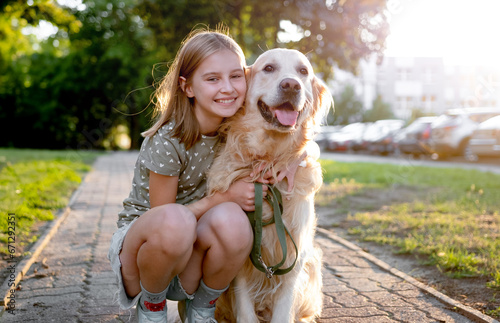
(185, 87)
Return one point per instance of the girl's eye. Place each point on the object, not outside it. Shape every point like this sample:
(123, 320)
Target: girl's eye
(304, 71)
(269, 68)
(237, 76)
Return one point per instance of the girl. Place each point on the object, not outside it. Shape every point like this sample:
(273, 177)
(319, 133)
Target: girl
(172, 241)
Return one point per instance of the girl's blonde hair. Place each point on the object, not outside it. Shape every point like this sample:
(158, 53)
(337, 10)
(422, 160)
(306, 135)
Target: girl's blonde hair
(171, 103)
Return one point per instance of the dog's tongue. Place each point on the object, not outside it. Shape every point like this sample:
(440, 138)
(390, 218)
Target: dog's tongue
(287, 117)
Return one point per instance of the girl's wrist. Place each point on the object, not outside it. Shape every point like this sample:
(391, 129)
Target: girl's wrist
(201, 206)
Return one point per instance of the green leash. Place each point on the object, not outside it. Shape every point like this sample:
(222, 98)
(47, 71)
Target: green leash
(255, 217)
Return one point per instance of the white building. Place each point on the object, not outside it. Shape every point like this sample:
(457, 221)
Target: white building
(409, 83)
(423, 83)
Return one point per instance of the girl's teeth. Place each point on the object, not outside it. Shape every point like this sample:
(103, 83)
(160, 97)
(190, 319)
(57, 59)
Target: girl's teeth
(225, 101)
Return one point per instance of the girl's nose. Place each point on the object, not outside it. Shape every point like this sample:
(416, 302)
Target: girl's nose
(227, 86)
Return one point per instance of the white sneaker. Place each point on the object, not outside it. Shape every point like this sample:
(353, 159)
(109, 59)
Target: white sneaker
(151, 317)
(191, 314)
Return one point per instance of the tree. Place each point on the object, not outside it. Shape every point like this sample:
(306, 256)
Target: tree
(331, 32)
(379, 111)
(75, 98)
(339, 32)
(115, 48)
(348, 107)
(95, 73)
(16, 52)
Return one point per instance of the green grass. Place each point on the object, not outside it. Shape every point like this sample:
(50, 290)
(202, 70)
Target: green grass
(454, 221)
(13, 155)
(34, 184)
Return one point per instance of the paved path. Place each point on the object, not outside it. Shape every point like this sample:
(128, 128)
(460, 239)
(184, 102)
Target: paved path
(70, 280)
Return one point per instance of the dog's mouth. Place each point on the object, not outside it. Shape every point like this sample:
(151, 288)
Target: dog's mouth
(283, 115)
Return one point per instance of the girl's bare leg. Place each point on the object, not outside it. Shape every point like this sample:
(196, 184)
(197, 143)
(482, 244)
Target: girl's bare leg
(157, 247)
(224, 241)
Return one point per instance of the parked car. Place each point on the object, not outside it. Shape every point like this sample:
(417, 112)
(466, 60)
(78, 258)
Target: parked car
(384, 143)
(347, 137)
(451, 131)
(380, 132)
(485, 140)
(321, 137)
(414, 139)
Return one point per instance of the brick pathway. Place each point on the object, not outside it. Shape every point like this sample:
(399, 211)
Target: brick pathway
(71, 280)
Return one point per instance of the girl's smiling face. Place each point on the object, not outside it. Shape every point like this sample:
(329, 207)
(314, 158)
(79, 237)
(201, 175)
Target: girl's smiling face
(218, 87)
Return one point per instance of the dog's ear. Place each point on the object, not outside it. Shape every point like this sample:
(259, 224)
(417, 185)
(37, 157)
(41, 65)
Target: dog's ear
(248, 73)
(248, 78)
(323, 100)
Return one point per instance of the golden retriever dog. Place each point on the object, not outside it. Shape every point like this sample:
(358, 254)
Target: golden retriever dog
(284, 105)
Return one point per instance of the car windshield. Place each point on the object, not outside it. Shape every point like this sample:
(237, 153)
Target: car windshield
(481, 117)
(445, 120)
(372, 130)
(491, 123)
(416, 127)
(352, 127)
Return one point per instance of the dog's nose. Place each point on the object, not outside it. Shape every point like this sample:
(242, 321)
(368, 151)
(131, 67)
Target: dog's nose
(290, 85)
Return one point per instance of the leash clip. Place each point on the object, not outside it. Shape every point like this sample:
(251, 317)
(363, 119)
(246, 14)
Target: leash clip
(269, 271)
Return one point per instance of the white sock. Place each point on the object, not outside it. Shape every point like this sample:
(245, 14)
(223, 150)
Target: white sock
(206, 296)
(153, 302)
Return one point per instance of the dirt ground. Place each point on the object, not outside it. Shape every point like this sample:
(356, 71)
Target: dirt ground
(469, 291)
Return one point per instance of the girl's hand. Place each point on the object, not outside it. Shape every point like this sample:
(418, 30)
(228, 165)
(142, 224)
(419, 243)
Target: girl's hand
(312, 151)
(288, 173)
(242, 192)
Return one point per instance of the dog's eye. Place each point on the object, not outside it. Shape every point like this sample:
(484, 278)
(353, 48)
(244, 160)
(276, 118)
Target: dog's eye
(304, 71)
(269, 68)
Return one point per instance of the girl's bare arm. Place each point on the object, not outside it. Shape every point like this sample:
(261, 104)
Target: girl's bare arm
(163, 190)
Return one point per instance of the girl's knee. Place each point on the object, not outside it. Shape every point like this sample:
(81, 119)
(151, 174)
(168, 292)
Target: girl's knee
(175, 216)
(230, 216)
(232, 226)
(171, 226)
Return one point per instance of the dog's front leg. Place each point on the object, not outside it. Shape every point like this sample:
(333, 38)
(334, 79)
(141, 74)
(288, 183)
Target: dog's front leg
(283, 311)
(245, 309)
